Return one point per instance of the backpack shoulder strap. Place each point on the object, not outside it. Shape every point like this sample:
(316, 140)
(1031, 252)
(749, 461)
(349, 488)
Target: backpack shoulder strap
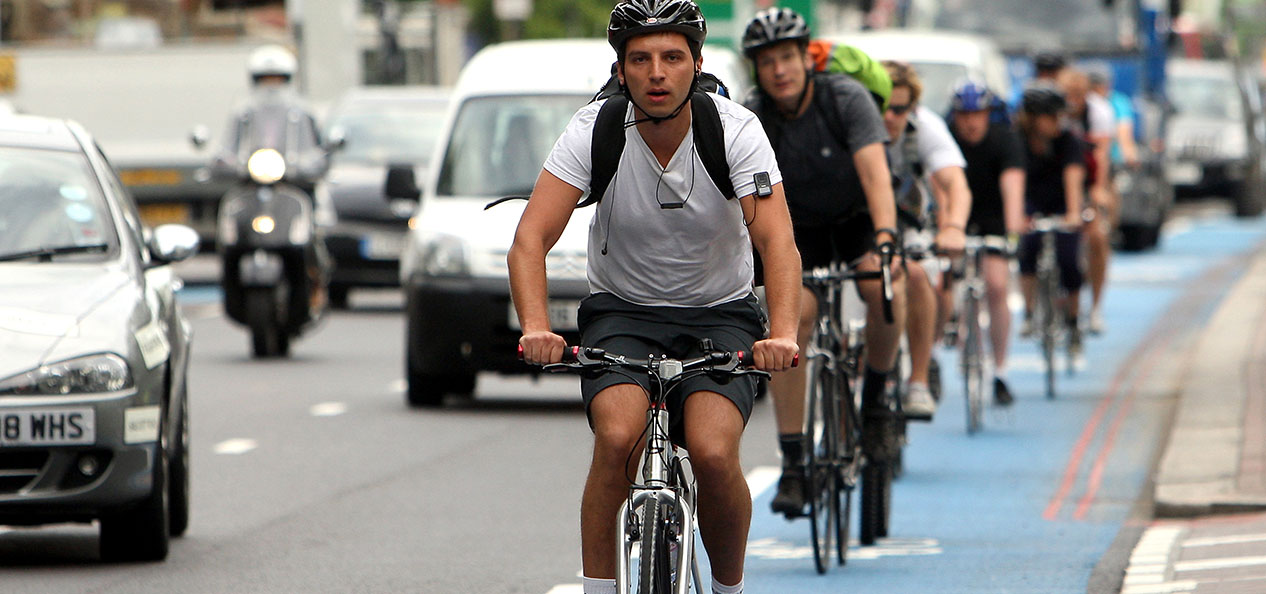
(710, 142)
(606, 147)
(826, 103)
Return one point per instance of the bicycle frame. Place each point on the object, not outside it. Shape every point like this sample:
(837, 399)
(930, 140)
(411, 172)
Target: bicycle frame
(1049, 316)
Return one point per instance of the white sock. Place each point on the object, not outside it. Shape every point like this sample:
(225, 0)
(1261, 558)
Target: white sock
(1000, 372)
(597, 586)
(719, 588)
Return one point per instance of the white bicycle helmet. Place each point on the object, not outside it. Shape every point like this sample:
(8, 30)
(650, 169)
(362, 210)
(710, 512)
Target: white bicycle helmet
(271, 60)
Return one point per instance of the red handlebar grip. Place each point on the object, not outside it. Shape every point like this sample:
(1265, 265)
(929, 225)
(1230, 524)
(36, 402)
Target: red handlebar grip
(520, 352)
(571, 354)
(746, 359)
(795, 361)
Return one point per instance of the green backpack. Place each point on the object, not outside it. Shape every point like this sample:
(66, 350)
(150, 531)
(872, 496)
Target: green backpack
(845, 59)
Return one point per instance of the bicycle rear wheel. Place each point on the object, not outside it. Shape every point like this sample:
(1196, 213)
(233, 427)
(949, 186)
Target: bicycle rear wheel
(822, 424)
(973, 369)
(849, 449)
(653, 564)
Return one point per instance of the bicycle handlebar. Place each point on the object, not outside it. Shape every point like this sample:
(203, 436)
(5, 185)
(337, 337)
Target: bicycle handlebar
(826, 276)
(722, 362)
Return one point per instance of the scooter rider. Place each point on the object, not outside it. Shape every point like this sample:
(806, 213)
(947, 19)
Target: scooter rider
(273, 117)
(829, 138)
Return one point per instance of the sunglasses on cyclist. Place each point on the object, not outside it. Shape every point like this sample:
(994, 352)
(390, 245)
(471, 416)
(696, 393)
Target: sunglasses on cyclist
(899, 109)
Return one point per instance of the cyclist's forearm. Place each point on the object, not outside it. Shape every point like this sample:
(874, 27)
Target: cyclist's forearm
(1012, 184)
(774, 240)
(528, 287)
(1074, 182)
(954, 197)
(872, 169)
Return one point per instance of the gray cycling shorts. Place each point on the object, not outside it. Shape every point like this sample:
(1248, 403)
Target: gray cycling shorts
(638, 331)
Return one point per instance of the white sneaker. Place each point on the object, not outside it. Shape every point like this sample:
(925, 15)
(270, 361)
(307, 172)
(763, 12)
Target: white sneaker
(1026, 328)
(917, 403)
(1096, 322)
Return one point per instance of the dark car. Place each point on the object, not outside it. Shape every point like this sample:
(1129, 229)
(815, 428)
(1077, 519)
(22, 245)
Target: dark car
(1217, 134)
(94, 351)
(387, 134)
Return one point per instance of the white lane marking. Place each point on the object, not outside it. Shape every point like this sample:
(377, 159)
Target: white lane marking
(567, 589)
(762, 478)
(399, 385)
(235, 446)
(328, 409)
(1224, 540)
(1165, 588)
(1226, 563)
(772, 548)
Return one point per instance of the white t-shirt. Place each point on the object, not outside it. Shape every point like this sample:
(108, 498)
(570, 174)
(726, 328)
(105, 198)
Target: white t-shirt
(937, 148)
(699, 255)
(1103, 119)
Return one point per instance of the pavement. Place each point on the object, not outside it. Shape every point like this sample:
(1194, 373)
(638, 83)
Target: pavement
(1209, 495)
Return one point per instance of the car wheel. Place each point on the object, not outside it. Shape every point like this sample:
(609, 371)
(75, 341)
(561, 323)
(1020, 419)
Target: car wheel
(141, 533)
(428, 390)
(178, 483)
(1250, 197)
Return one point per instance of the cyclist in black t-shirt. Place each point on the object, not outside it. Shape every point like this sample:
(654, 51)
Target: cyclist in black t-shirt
(995, 173)
(829, 139)
(1054, 186)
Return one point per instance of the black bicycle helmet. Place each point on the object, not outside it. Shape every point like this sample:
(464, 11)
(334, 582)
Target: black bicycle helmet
(1042, 100)
(639, 17)
(773, 25)
(1049, 61)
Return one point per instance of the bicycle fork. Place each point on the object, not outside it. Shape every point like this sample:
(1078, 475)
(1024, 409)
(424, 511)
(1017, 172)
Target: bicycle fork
(656, 476)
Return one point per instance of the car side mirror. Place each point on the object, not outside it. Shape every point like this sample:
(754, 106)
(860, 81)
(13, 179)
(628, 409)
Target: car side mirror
(336, 140)
(401, 183)
(173, 243)
(199, 136)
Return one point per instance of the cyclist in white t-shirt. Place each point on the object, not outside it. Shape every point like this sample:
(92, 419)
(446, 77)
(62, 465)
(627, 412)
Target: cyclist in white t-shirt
(670, 262)
(933, 165)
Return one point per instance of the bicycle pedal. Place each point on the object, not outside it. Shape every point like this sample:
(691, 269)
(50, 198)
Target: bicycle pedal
(918, 417)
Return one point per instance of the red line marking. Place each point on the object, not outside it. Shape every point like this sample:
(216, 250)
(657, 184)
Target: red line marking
(1101, 461)
(1079, 449)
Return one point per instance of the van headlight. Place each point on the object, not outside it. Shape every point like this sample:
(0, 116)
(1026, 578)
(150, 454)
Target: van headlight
(92, 374)
(444, 255)
(266, 166)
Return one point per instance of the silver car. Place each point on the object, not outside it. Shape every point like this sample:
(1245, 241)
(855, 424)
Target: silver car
(94, 351)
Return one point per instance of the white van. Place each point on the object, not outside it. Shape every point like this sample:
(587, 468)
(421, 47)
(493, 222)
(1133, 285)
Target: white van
(509, 105)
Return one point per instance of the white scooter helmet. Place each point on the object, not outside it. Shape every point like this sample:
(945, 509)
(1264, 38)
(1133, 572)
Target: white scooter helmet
(271, 60)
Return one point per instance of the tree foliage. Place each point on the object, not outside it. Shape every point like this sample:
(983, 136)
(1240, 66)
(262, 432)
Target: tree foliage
(550, 19)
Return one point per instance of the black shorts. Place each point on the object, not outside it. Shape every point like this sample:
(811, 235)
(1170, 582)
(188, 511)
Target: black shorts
(637, 331)
(987, 226)
(845, 241)
(1067, 255)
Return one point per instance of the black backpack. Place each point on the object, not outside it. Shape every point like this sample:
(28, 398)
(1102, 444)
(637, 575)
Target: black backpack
(609, 126)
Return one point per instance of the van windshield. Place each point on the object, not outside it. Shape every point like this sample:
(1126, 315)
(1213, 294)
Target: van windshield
(1204, 96)
(499, 144)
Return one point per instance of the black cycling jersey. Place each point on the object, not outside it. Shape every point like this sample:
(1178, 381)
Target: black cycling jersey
(1044, 181)
(819, 177)
(998, 151)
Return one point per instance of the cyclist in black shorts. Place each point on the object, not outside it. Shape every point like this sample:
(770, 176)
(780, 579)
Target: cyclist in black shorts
(829, 137)
(995, 172)
(1054, 186)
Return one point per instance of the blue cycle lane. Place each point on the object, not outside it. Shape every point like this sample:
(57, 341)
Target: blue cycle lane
(1034, 501)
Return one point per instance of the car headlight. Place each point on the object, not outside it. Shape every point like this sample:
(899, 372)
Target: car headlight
(82, 375)
(444, 255)
(266, 166)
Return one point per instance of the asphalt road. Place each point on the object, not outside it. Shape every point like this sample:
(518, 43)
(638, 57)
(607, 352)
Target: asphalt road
(311, 474)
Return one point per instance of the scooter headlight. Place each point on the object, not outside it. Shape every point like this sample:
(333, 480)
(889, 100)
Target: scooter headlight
(266, 166)
(263, 224)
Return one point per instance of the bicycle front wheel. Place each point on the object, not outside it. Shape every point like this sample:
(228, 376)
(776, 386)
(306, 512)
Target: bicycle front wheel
(653, 564)
(823, 423)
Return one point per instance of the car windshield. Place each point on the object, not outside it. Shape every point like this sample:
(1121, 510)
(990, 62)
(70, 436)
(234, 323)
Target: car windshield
(499, 144)
(383, 133)
(1014, 24)
(938, 81)
(1204, 96)
(51, 200)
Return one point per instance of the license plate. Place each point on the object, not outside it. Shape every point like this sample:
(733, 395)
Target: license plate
(1183, 173)
(382, 246)
(47, 426)
(562, 315)
(151, 177)
(161, 214)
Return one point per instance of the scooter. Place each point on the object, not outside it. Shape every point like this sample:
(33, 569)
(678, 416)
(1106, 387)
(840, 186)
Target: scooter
(276, 271)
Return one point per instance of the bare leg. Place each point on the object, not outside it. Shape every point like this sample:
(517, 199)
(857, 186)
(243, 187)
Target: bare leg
(787, 388)
(619, 416)
(997, 275)
(882, 338)
(921, 317)
(714, 427)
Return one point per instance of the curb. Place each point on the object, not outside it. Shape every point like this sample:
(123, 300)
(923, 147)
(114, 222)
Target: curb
(1199, 470)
